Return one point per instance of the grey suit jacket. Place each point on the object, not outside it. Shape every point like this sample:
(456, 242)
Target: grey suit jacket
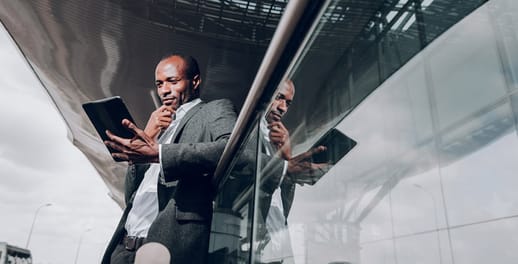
(185, 210)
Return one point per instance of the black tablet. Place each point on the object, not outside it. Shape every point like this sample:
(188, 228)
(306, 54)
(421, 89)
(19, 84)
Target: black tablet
(107, 114)
(337, 145)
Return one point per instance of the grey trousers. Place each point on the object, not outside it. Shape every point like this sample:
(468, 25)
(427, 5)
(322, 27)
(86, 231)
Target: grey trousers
(122, 256)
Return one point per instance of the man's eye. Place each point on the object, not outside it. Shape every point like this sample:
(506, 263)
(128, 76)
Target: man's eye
(173, 81)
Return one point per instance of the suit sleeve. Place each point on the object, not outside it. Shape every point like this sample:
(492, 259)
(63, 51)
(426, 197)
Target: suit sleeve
(190, 159)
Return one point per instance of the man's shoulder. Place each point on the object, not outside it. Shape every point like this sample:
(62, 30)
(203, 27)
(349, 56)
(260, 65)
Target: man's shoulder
(218, 105)
(219, 102)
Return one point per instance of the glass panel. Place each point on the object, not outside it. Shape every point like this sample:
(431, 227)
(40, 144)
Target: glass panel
(506, 28)
(272, 238)
(461, 71)
(380, 252)
(439, 15)
(358, 45)
(423, 249)
(482, 186)
(433, 133)
(492, 242)
(231, 233)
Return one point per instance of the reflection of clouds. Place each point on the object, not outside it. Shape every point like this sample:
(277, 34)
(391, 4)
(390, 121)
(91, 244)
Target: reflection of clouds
(378, 253)
(493, 242)
(474, 158)
(421, 249)
(461, 70)
(389, 143)
(483, 185)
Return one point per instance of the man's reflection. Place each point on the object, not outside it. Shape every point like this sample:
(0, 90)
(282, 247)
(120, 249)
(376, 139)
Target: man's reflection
(279, 174)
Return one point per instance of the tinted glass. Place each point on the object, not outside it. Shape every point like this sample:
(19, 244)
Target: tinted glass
(429, 98)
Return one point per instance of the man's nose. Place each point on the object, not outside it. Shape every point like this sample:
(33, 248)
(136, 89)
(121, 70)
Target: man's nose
(282, 107)
(165, 89)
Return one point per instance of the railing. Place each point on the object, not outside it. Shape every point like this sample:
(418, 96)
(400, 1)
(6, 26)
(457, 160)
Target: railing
(295, 23)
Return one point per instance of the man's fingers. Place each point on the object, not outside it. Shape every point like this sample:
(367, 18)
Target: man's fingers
(115, 146)
(277, 126)
(128, 124)
(168, 108)
(114, 137)
(307, 155)
(318, 149)
(120, 156)
(276, 137)
(166, 118)
(122, 151)
(164, 122)
(275, 133)
(139, 133)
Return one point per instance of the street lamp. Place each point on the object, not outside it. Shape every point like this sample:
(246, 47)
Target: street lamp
(33, 221)
(80, 242)
(435, 217)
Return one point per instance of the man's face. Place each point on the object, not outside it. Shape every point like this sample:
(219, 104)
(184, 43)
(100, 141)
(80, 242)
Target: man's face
(173, 86)
(281, 103)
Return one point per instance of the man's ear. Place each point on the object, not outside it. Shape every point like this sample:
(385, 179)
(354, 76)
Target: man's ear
(196, 81)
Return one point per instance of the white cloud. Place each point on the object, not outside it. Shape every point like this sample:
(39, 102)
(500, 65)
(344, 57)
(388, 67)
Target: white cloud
(39, 165)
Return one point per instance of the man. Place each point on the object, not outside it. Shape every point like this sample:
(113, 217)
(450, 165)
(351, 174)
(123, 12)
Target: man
(279, 176)
(177, 212)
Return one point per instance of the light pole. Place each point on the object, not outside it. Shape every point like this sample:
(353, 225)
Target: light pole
(80, 242)
(33, 221)
(435, 218)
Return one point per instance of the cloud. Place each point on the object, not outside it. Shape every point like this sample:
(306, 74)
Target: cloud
(38, 165)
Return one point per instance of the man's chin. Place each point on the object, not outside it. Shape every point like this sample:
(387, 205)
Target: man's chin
(173, 106)
(273, 118)
(269, 119)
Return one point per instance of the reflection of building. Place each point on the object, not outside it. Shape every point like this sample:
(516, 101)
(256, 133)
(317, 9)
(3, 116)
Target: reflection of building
(430, 98)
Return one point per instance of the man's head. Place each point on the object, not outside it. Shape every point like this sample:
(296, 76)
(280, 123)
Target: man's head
(177, 79)
(282, 102)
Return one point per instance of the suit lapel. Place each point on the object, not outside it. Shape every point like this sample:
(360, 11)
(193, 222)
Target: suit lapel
(185, 119)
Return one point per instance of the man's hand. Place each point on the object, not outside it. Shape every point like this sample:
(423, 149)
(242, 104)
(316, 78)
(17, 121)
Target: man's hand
(302, 170)
(139, 149)
(159, 119)
(280, 138)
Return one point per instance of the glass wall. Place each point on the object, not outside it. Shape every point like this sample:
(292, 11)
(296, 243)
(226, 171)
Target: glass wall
(232, 221)
(425, 97)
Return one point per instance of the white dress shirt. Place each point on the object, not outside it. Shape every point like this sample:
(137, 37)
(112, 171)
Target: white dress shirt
(276, 196)
(279, 245)
(145, 204)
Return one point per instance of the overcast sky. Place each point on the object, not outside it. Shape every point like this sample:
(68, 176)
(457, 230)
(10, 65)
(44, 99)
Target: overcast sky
(38, 165)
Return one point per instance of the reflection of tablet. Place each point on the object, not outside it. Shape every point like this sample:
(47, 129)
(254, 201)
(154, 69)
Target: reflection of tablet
(107, 114)
(337, 145)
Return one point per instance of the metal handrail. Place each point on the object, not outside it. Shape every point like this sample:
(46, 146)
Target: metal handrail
(287, 24)
(295, 12)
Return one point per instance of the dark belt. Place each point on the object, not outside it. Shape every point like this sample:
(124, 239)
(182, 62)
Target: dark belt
(132, 243)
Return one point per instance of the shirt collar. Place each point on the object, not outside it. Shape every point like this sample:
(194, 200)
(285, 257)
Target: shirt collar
(184, 108)
(263, 126)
